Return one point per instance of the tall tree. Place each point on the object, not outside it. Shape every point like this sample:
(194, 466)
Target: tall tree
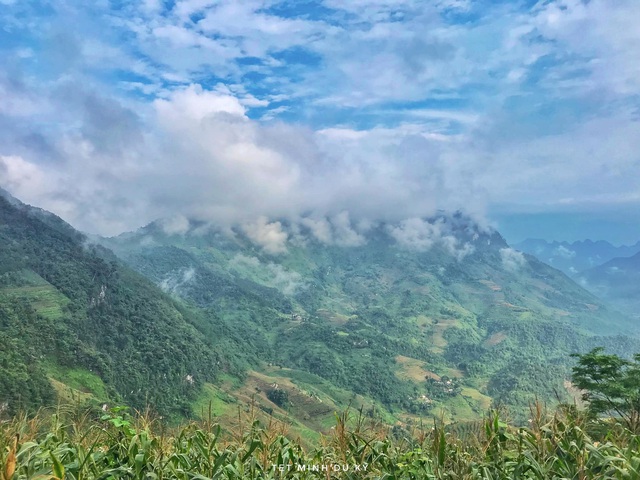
(611, 385)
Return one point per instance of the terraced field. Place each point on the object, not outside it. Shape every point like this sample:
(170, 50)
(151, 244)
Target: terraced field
(43, 297)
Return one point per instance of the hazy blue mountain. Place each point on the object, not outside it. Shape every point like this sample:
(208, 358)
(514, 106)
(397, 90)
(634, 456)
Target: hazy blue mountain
(575, 257)
(617, 281)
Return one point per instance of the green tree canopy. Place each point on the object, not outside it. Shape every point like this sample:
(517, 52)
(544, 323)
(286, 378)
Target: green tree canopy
(611, 385)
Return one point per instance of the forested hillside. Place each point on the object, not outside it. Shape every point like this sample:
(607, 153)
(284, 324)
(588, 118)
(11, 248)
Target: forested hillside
(450, 330)
(460, 325)
(75, 323)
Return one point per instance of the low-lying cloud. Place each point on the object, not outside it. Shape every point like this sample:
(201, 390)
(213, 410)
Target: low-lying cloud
(389, 112)
(421, 235)
(512, 260)
(269, 273)
(269, 235)
(175, 281)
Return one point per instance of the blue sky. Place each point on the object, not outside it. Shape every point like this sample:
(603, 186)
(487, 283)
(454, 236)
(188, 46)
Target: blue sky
(114, 113)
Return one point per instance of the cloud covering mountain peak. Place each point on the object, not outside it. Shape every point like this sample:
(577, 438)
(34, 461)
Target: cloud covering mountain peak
(116, 113)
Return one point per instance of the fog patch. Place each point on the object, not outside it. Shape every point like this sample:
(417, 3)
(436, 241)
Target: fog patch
(147, 241)
(286, 281)
(422, 235)
(175, 225)
(241, 260)
(564, 252)
(512, 260)
(268, 235)
(175, 281)
(270, 274)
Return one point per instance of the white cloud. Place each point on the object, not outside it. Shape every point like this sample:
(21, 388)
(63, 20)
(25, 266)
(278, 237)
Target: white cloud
(576, 168)
(459, 115)
(417, 234)
(23, 178)
(271, 274)
(268, 235)
(512, 260)
(422, 235)
(604, 34)
(343, 233)
(337, 229)
(564, 252)
(175, 225)
(320, 228)
(196, 104)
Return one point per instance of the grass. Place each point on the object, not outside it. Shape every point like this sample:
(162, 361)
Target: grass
(482, 400)
(461, 409)
(76, 381)
(310, 409)
(412, 369)
(437, 338)
(68, 394)
(45, 299)
(495, 339)
(213, 401)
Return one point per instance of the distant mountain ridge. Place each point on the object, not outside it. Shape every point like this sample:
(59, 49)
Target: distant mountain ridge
(617, 281)
(575, 257)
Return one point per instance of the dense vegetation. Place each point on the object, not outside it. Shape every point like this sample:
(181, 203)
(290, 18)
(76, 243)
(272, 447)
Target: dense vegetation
(72, 315)
(610, 385)
(563, 444)
(387, 322)
(401, 333)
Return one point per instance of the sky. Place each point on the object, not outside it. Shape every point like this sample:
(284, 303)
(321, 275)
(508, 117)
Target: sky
(524, 114)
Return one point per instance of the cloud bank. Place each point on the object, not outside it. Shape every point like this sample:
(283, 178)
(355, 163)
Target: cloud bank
(343, 114)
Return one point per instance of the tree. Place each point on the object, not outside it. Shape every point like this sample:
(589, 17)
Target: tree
(278, 396)
(611, 385)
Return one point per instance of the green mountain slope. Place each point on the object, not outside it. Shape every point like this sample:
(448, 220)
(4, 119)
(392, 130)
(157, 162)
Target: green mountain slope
(76, 324)
(397, 323)
(454, 323)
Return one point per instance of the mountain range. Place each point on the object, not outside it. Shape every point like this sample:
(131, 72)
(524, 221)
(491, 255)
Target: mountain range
(426, 316)
(573, 258)
(617, 281)
(609, 272)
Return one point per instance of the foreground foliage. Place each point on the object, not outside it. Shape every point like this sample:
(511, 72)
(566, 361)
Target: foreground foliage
(610, 385)
(563, 444)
